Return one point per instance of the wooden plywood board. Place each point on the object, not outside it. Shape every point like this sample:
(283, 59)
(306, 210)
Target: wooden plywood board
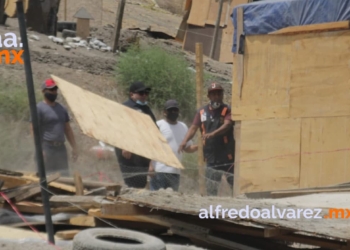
(325, 158)
(303, 75)
(267, 79)
(269, 155)
(129, 129)
(320, 75)
(343, 25)
(213, 12)
(199, 12)
(226, 43)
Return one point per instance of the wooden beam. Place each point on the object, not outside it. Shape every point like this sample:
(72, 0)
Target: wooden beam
(55, 184)
(118, 24)
(78, 184)
(67, 234)
(320, 27)
(292, 193)
(90, 184)
(199, 93)
(273, 232)
(80, 201)
(119, 208)
(87, 220)
(13, 181)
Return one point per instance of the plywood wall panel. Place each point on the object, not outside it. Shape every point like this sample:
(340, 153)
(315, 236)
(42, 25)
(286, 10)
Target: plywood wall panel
(269, 155)
(267, 77)
(199, 12)
(304, 75)
(325, 151)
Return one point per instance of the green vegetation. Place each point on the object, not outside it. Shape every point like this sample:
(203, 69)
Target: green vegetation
(14, 103)
(167, 74)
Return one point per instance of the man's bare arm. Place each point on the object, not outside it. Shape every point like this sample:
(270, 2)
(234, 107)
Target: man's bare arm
(191, 149)
(70, 137)
(220, 131)
(190, 134)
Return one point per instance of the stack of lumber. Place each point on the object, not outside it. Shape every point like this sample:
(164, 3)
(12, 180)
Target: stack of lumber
(67, 195)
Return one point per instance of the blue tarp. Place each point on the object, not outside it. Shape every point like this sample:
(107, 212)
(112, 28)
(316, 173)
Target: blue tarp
(267, 16)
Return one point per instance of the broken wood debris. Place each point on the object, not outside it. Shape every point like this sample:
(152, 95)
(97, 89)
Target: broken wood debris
(88, 204)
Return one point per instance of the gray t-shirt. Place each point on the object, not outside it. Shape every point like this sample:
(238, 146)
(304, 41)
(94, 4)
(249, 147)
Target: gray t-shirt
(52, 120)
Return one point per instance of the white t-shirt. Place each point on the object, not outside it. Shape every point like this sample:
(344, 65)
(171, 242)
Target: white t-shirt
(174, 134)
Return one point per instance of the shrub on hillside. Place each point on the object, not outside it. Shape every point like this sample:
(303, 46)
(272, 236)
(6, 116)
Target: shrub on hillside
(167, 74)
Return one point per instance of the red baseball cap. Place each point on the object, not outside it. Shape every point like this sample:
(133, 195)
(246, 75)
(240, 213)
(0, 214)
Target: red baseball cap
(48, 84)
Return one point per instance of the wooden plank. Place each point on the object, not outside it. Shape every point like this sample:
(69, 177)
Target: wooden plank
(325, 146)
(319, 27)
(128, 209)
(213, 13)
(236, 176)
(13, 181)
(57, 185)
(96, 117)
(81, 201)
(292, 193)
(78, 184)
(240, 57)
(1, 184)
(35, 190)
(199, 12)
(269, 155)
(88, 221)
(91, 184)
(67, 234)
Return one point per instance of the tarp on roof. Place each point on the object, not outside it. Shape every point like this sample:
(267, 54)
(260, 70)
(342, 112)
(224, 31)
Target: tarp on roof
(267, 16)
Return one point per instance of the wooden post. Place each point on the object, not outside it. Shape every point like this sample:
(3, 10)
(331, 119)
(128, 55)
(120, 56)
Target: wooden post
(2, 12)
(199, 85)
(78, 184)
(216, 31)
(118, 24)
(65, 10)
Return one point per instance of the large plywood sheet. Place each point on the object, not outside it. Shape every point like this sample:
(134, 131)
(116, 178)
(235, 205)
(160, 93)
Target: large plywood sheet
(116, 124)
(267, 79)
(269, 155)
(320, 75)
(199, 12)
(325, 151)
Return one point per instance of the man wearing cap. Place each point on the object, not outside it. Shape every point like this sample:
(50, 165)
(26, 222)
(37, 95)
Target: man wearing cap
(216, 126)
(163, 176)
(134, 167)
(54, 127)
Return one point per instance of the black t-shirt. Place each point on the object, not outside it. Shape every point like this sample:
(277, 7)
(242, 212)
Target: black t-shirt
(135, 160)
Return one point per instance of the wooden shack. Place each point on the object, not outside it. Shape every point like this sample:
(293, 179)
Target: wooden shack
(291, 95)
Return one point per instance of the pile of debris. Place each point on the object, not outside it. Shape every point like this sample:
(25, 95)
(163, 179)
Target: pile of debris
(76, 42)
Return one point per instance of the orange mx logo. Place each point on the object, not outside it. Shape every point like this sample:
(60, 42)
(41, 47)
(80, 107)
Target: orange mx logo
(7, 55)
(338, 213)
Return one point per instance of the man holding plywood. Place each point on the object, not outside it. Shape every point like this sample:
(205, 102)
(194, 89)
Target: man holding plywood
(216, 126)
(134, 167)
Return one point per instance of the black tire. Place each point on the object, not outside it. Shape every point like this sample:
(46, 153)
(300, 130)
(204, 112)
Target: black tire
(182, 247)
(89, 240)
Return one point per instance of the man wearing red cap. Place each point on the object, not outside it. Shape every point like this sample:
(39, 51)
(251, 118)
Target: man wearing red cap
(216, 126)
(54, 127)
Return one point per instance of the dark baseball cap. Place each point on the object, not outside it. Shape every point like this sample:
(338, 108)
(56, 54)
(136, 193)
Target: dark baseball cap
(215, 86)
(48, 84)
(138, 86)
(171, 104)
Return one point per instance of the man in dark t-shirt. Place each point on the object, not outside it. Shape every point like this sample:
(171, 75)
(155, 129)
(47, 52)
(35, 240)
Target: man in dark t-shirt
(135, 167)
(216, 126)
(54, 127)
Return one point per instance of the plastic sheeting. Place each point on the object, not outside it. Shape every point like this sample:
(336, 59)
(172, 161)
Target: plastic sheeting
(267, 16)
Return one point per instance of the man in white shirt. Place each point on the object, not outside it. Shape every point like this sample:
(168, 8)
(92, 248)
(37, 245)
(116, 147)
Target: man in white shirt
(163, 176)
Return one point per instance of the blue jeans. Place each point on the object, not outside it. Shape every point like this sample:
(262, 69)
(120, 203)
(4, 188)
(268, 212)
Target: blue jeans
(165, 180)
